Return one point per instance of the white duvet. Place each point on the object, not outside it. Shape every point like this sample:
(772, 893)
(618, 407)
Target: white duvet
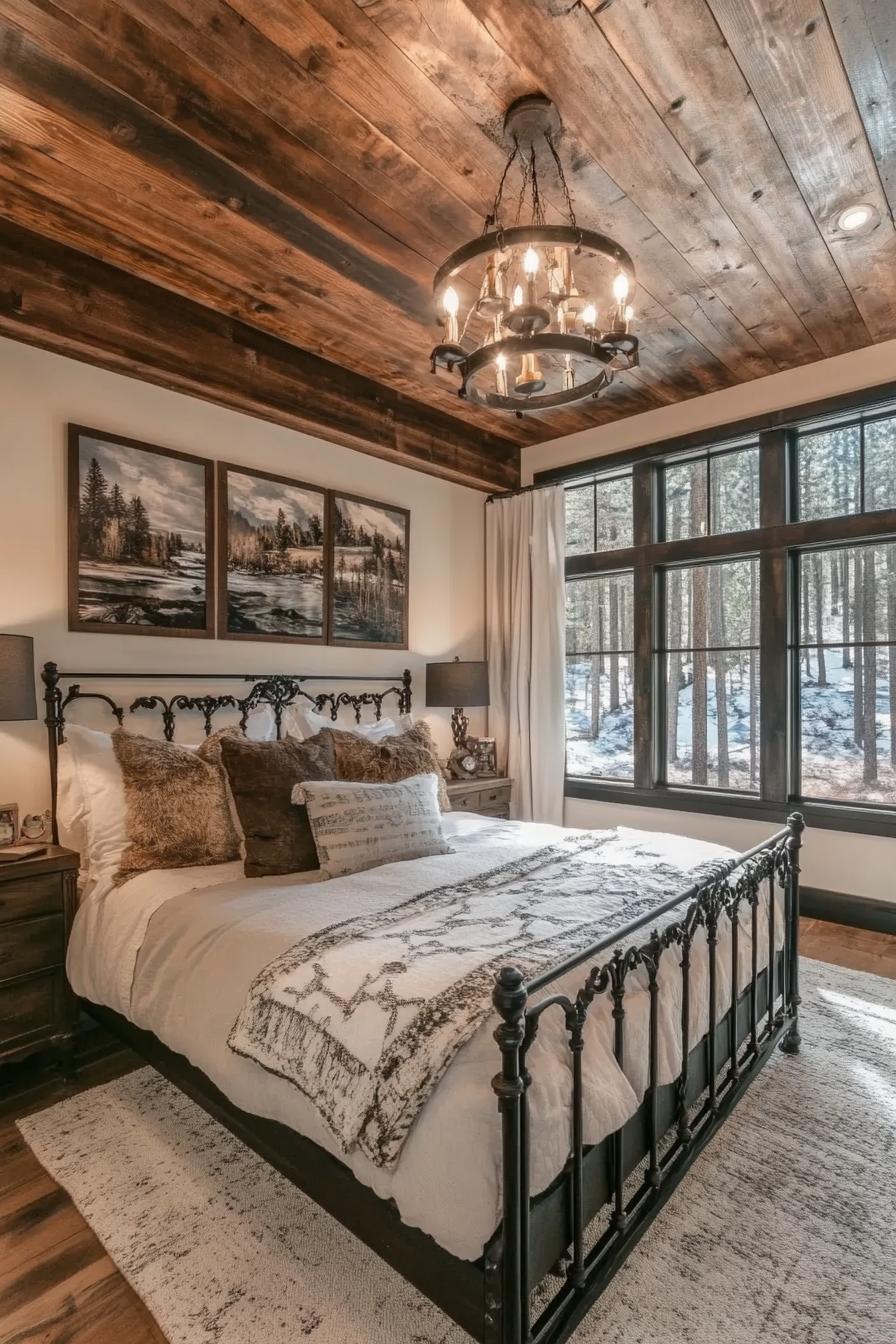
(176, 952)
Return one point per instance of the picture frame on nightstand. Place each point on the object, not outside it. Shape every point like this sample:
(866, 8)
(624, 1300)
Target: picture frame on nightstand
(9, 824)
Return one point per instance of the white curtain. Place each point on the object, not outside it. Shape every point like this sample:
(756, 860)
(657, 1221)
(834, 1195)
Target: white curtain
(525, 538)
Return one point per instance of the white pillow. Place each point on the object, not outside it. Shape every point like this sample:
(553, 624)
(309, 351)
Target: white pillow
(303, 723)
(94, 809)
(361, 826)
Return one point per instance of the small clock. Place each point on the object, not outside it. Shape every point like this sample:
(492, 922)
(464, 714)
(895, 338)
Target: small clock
(462, 764)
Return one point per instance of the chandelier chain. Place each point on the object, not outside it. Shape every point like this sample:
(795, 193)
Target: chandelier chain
(564, 184)
(492, 221)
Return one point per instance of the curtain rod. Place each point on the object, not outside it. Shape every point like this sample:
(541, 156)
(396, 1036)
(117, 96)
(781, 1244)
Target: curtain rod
(523, 490)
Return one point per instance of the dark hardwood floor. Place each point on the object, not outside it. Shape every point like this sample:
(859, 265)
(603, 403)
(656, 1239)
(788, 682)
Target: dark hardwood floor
(58, 1286)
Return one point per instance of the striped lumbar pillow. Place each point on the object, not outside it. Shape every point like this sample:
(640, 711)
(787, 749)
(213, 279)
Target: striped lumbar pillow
(360, 826)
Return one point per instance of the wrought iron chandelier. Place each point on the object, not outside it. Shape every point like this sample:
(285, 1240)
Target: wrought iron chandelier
(536, 334)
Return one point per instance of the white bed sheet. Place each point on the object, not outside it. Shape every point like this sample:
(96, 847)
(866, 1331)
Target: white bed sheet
(176, 952)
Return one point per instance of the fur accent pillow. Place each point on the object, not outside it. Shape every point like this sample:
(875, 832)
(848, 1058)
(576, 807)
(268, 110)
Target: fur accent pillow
(391, 760)
(178, 815)
(277, 834)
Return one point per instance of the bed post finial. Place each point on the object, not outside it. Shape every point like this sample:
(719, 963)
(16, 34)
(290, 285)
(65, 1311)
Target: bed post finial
(793, 844)
(404, 706)
(53, 719)
(510, 997)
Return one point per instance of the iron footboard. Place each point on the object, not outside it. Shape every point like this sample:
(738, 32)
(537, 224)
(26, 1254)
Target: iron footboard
(674, 1121)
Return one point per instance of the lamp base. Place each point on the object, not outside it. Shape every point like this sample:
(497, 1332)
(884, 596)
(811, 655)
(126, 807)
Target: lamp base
(460, 727)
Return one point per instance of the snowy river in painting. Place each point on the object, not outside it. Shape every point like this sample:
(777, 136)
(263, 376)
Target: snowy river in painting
(275, 604)
(173, 596)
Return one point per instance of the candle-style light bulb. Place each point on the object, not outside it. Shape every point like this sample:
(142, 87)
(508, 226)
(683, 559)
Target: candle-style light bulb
(589, 317)
(530, 266)
(569, 376)
(629, 313)
(518, 297)
(451, 304)
(501, 375)
(620, 288)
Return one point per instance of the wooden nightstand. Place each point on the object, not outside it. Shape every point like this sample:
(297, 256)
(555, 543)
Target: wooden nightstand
(38, 899)
(488, 797)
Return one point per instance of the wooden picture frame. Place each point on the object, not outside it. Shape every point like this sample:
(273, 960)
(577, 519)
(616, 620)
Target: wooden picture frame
(9, 824)
(124, 540)
(387, 612)
(272, 606)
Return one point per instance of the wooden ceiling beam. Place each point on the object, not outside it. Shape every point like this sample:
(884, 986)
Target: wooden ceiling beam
(61, 300)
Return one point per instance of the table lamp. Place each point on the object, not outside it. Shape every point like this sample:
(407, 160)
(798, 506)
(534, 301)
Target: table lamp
(17, 697)
(453, 685)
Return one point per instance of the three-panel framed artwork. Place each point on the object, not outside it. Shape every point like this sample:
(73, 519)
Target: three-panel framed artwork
(165, 543)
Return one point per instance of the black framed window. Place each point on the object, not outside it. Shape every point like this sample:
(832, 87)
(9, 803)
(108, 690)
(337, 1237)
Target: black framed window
(600, 677)
(731, 610)
(710, 665)
(847, 674)
(711, 494)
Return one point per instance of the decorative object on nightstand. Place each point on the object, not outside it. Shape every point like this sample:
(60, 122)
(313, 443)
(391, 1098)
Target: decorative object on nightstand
(452, 686)
(38, 899)
(485, 750)
(18, 701)
(488, 799)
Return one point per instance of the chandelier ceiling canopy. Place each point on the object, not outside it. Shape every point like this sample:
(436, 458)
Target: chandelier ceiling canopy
(539, 329)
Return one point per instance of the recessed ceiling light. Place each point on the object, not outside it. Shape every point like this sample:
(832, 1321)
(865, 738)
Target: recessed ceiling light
(857, 219)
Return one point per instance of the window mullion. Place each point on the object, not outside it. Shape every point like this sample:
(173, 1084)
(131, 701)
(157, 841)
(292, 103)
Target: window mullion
(774, 716)
(643, 481)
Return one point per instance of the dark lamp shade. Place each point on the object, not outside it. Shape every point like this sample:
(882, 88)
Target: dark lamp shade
(17, 698)
(455, 685)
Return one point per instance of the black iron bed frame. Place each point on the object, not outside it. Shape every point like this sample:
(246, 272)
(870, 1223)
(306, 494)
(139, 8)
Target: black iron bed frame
(540, 1273)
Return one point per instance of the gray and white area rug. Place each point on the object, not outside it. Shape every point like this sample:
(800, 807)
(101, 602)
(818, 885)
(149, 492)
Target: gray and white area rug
(784, 1231)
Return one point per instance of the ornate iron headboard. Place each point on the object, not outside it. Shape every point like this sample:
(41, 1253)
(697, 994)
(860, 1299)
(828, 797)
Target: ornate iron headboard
(277, 690)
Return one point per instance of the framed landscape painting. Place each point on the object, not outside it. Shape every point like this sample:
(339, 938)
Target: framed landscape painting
(369, 595)
(140, 537)
(272, 579)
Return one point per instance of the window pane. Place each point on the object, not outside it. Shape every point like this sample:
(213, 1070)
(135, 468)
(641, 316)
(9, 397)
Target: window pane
(829, 473)
(844, 595)
(580, 520)
(713, 735)
(880, 464)
(686, 503)
(712, 675)
(847, 671)
(599, 677)
(734, 491)
(713, 606)
(614, 514)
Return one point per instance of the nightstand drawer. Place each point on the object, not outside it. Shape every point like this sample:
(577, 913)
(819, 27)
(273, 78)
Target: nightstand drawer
(466, 800)
(495, 810)
(31, 945)
(30, 1007)
(23, 897)
(494, 796)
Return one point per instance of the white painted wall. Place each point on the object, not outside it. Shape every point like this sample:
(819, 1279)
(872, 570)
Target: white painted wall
(833, 860)
(41, 392)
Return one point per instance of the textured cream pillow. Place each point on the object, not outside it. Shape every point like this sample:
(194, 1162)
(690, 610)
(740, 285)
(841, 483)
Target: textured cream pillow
(361, 826)
(178, 813)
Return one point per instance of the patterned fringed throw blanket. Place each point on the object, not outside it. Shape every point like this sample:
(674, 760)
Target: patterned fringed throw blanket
(366, 1015)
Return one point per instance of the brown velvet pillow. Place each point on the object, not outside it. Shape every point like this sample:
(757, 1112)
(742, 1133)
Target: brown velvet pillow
(178, 814)
(277, 834)
(389, 760)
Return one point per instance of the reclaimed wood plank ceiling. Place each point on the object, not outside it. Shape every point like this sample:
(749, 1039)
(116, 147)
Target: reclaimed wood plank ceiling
(301, 167)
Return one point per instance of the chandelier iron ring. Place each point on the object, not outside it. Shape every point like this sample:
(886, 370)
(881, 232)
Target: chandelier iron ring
(583, 241)
(481, 361)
